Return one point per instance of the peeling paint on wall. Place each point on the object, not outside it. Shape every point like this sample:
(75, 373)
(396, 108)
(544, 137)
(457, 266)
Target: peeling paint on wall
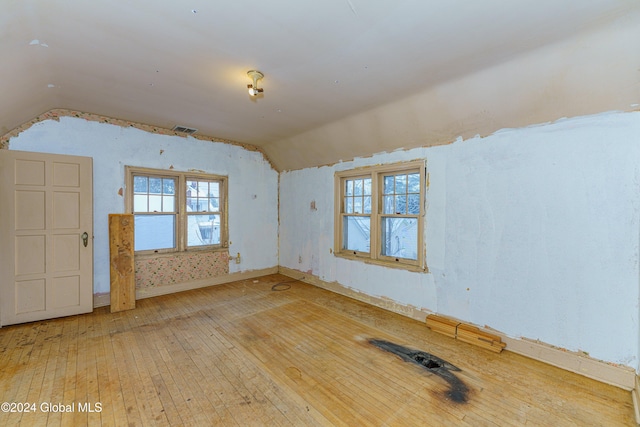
(534, 231)
(60, 112)
(253, 223)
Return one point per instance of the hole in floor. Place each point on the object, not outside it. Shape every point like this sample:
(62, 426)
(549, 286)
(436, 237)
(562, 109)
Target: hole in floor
(427, 362)
(458, 390)
(431, 364)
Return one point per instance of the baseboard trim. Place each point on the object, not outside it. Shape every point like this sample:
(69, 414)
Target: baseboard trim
(104, 299)
(101, 300)
(620, 376)
(387, 304)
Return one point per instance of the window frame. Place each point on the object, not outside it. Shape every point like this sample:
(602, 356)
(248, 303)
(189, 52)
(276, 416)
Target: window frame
(181, 214)
(377, 174)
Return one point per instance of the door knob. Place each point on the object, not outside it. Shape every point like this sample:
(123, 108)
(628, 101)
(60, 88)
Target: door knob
(85, 239)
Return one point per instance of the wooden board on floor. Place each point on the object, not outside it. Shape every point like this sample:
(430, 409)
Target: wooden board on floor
(444, 325)
(121, 247)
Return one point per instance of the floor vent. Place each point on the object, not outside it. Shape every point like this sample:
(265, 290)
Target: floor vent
(184, 129)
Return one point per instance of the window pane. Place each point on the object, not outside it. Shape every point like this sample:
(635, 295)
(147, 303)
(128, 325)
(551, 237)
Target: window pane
(401, 184)
(214, 189)
(356, 233)
(400, 237)
(348, 205)
(203, 196)
(192, 202)
(140, 203)
(203, 230)
(367, 204)
(357, 187)
(357, 205)
(367, 186)
(155, 203)
(192, 188)
(140, 184)
(388, 185)
(168, 203)
(414, 183)
(401, 204)
(155, 185)
(168, 186)
(348, 187)
(414, 204)
(388, 205)
(154, 232)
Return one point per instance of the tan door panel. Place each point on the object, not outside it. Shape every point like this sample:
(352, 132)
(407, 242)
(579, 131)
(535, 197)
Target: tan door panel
(46, 270)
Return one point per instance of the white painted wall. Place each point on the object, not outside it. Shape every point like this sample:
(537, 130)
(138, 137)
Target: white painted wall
(253, 184)
(534, 232)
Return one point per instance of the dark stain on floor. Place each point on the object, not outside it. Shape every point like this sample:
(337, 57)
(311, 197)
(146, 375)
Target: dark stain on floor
(458, 390)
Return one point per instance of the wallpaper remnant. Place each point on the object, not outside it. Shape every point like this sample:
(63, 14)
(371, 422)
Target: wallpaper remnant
(180, 268)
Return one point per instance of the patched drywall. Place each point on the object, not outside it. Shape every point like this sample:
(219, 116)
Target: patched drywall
(534, 232)
(253, 184)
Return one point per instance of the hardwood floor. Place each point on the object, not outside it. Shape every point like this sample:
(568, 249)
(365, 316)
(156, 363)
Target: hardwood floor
(243, 354)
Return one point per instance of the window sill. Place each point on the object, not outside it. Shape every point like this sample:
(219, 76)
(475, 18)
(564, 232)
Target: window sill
(166, 254)
(383, 263)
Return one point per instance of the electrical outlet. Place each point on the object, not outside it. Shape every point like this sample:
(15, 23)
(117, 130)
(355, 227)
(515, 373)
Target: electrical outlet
(238, 258)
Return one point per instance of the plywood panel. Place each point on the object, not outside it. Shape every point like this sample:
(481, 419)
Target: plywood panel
(121, 247)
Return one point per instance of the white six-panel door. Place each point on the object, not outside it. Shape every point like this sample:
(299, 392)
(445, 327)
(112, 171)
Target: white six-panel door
(46, 259)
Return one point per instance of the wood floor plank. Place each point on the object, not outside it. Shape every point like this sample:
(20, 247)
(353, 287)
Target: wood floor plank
(115, 384)
(147, 369)
(245, 353)
(104, 385)
(131, 376)
(319, 362)
(202, 338)
(45, 391)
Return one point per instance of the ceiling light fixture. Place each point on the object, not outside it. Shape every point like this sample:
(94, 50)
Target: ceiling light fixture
(255, 75)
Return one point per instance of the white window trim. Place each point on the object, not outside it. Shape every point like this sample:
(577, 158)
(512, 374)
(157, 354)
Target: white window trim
(376, 174)
(181, 215)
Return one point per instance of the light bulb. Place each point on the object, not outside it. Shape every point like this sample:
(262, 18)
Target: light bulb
(252, 91)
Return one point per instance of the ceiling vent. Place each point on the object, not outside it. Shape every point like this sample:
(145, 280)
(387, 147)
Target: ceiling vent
(184, 129)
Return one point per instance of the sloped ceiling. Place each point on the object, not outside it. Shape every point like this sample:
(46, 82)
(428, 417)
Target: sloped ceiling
(343, 78)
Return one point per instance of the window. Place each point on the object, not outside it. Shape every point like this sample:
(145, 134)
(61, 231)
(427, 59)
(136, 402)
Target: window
(175, 211)
(379, 214)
